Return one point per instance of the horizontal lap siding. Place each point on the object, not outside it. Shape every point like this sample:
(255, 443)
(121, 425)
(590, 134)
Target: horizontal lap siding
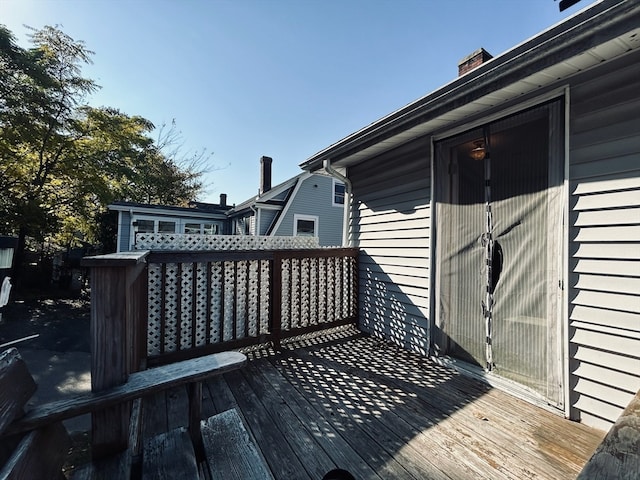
(391, 225)
(314, 197)
(125, 231)
(604, 295)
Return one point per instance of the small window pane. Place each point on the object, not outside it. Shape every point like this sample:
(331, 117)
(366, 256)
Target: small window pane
(191, 228)
(144, 226)
(6, 257)
(338, 193)
(210, 229)
(166, 227)
(305, 228)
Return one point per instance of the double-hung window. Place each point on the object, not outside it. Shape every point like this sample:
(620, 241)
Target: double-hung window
(338, 193)
(305, 225)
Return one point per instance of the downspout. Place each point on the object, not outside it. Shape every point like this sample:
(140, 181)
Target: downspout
(132, 232)
(347, 240)
(256, 231)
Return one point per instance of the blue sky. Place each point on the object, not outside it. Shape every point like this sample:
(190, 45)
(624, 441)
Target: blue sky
(282, 78)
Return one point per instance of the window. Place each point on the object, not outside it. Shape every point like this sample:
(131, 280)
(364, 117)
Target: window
(201, 228)
(166, 227)
(210, 229)
(144, 226)
(193, 228)
(305, 225)
(338, 193)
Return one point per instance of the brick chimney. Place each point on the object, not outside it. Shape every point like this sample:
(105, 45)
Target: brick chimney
(223, 199)
(473, 60)
(265, 174)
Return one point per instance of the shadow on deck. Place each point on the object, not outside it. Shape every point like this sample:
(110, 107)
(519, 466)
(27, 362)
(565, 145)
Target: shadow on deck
(343, 399)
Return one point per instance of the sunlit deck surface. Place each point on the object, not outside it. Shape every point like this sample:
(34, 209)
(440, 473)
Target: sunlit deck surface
(351, 401)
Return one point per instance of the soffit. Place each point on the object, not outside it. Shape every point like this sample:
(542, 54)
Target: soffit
(537, 81)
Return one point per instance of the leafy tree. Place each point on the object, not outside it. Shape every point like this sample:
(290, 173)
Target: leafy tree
(39, 127)
(62, 161)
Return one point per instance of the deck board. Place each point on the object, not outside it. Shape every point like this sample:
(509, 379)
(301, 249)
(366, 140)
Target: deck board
(282, 460)
(312, 457)
(351, 401)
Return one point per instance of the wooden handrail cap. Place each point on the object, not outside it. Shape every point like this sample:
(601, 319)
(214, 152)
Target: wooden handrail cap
(122, 259)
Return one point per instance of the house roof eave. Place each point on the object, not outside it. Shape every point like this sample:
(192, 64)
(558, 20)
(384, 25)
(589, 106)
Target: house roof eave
(589, 28)
(168, 210)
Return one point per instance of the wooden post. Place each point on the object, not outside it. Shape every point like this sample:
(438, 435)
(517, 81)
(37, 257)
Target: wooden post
(276, 299)
(118, 292)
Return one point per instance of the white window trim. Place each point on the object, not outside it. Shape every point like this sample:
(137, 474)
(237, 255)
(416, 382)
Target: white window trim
(333, 194)
(155, 219)
(314, 218)
(180, 224)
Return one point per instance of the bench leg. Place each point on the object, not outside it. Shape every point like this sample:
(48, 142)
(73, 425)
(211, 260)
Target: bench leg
(194, 391)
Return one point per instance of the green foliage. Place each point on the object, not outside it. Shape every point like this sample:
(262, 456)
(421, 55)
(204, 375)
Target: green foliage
(62, 161)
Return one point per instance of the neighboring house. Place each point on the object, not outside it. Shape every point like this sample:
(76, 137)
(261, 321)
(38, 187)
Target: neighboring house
(305, 205)
(200, 218)
(498, 217)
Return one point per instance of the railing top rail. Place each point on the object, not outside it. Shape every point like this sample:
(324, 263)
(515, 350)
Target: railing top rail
(318, 253)
(122, 259)
(193, 256)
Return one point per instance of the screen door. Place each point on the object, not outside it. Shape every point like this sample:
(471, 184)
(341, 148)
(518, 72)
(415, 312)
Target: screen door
(499, 223)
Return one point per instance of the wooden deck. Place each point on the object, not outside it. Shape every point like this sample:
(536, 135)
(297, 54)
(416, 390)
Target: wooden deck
(350, 401)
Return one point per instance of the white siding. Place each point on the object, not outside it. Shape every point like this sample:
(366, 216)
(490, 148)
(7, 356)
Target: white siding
(604, 290)
(391, 225)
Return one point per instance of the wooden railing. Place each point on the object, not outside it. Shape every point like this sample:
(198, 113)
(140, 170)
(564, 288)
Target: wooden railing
(203, 302)
(162, 306)
(158, 307)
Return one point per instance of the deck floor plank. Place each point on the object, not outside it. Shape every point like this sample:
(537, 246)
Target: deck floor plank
(330, 439)
(322, 393)
(221, 395)
(352, 401)
(154, 414)
(371, 405)
(313, 458)
(177, 407)
(281, 459)
(492, 445)
(407, 417)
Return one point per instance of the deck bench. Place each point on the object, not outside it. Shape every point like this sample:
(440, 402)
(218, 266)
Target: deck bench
(618, 456)
(35, 444)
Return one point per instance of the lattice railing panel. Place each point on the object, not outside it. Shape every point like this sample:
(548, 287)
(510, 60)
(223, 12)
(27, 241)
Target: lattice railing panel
(171, 305)
(201, 303)
(154, 308)
(187, 241)
(264, 295)
(198, 299)
(185, 331)
(216, 313)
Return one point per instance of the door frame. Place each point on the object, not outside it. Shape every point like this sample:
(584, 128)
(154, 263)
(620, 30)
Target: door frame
(562, 94)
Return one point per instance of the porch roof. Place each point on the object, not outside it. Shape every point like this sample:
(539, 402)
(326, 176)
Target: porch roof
(602, 32)
(216, 212)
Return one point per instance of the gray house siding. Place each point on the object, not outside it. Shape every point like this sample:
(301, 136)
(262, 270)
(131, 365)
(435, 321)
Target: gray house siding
(391, 225)
(124, 227)
(266, 219)
(604, 282)
(314, 197)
